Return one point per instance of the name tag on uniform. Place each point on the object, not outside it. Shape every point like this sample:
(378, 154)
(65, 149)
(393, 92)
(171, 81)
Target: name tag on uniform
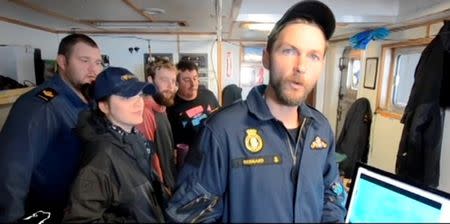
(256, 161)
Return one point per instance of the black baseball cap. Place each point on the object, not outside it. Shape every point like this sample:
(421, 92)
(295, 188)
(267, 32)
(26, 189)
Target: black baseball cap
(121, 82)
(313, 10)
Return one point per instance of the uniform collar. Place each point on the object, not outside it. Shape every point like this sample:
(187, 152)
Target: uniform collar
(257, 105)
(64, 89)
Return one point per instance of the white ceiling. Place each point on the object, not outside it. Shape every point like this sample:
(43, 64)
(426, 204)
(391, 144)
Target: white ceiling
(199, 16)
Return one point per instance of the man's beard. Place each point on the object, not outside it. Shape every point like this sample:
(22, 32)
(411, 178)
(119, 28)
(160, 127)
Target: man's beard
(161, 99)
(87, 90)
(279, 87)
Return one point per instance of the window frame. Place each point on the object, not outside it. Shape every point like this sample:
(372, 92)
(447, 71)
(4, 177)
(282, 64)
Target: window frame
(385, 105)
(353, 55)
(398, 52)
(351, 74)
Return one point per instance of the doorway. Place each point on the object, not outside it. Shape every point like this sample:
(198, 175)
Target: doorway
(350, 67)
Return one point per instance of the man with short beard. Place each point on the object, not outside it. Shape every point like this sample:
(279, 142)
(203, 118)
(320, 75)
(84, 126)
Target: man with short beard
(156, 126)
(40, 152)
(270, 158)
(193, 103)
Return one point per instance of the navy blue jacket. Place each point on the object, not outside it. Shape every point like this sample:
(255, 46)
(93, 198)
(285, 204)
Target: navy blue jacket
(39, 152)
(241, 170)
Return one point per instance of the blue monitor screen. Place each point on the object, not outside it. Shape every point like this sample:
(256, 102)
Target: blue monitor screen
(378, 198)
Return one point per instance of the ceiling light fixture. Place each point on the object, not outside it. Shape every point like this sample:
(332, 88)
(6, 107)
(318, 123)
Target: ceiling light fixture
(138, 25)
(154, 11)
(258, 26)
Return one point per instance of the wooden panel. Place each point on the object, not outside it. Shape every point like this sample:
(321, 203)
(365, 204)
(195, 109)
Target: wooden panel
(10, 96)
(25, 24)
(47, 12)
(131, 4)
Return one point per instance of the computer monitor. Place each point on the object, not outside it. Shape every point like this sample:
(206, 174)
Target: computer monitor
(379, 196)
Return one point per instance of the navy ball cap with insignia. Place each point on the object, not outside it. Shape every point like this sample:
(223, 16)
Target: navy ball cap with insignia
(121, 82)
(313, 10)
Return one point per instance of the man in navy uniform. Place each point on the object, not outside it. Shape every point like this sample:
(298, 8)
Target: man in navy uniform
(40, 152)
(270, 158)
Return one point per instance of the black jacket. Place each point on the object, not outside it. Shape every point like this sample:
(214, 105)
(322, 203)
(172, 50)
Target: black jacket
(164, 147)
(354, 138)
(115, 183)
(418, 157)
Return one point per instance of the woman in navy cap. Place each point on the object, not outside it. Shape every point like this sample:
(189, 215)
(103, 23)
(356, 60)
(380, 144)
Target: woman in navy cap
(116, 182)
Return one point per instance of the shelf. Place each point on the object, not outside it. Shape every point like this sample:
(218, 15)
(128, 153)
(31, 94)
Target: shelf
(10, 96)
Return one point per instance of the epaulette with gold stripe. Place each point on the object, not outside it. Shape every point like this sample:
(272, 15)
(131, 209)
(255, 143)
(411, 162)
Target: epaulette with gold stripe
(47, 94)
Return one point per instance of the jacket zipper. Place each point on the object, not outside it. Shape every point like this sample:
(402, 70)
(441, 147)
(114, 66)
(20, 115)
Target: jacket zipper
(294, 158)
(293, 150)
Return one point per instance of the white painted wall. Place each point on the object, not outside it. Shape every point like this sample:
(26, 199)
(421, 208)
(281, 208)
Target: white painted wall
(444, 181)
(320, 90)
(116, 47)
(374, 50)
(19, 35)
(331, 80)
(233, 51)
(384, 140)
(231, 58)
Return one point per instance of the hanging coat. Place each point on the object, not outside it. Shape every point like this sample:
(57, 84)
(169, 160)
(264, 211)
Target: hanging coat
(354, 138)
(419, 153)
